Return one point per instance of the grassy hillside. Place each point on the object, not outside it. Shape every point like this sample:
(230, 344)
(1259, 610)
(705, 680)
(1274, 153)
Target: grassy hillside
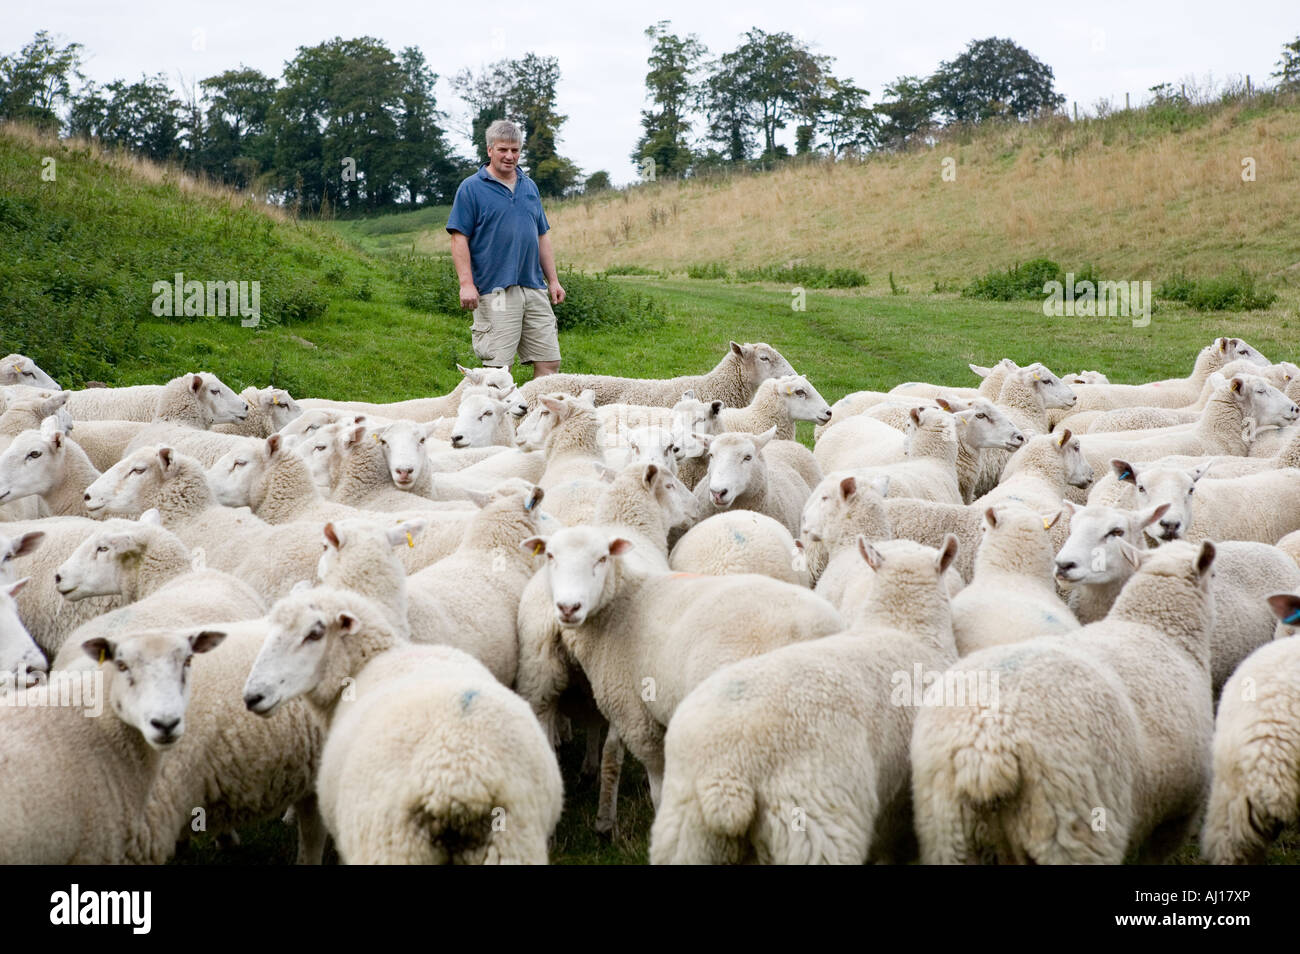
(1141, 194)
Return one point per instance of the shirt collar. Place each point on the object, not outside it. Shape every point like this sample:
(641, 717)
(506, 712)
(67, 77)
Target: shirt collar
(487, 176)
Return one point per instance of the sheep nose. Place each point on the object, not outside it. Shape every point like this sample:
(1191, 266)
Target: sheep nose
(404, 472)
(86, 498)
(1065, 566)
(165, 726)
(568, 610)
(57, 579)
(1170, 527)
(252, 700)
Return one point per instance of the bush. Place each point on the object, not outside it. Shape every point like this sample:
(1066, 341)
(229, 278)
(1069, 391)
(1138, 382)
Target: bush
(706, 270)
(1021, 281)
(1235, 292)
(807, 276)
(629, 270)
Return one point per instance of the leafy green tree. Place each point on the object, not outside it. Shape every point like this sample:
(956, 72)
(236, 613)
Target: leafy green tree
(994, 77)
(36, 81)
(908, 111)
(236, 145)
(725, 99)
(142, 117)
(1288, 68)
(598, 181)
(845, 118)
(673, 61)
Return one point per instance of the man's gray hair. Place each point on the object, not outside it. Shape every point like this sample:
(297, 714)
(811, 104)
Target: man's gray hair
(503, 130)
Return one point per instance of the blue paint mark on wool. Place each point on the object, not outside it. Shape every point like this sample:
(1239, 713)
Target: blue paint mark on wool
(738, 537)
(466, 698)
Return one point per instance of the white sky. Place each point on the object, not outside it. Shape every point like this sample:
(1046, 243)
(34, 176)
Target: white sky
(1098, 50)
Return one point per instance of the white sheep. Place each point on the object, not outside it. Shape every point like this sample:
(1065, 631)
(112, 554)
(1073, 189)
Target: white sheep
(46, 819)
(742, 476)
(483, 421)
(1097, 742)
(1011, 596)
(644, 640)
(48, 464)
(733, 381)
(572, 447)
(269, 410)
(423, 410)
(740, 541)
(800, 755)
(19, 369)
(135, 403)
(929, 471)
(19, 654)
(1091, 564)
(778, 402)
(187, 408)
(1256, 788)
(430, 760)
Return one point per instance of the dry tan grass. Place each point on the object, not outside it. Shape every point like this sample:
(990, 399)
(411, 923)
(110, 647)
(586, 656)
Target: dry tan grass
(1133, 202)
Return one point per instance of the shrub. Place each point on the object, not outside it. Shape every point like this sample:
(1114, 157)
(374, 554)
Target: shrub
(807, 276)
(1234, 292)
(629, 270)
(706, 270)
(1021, 281)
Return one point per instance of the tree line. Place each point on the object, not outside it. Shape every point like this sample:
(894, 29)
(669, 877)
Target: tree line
(353, 127)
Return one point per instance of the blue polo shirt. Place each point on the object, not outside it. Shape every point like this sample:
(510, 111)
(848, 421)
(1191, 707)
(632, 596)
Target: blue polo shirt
(502, 228)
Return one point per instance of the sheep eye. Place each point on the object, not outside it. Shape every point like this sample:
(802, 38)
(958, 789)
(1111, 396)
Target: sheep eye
(188, 660)
(1190, 491)
(138, 470)
(29, 374)
(603, 559)
(240, 463)
(1117, 532)
(763, 357)
(315, 633)
(749, 457)
(1141, 489)
(545, 413)
(423, 439)
(101, 549)
(33, 455)
(121, 666)
(981, 416)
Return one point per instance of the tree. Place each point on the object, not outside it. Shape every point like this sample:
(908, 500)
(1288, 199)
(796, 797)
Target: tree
(1288, 72)
(236, 145)
(141, 117)
(994, 77)
(36, 81)
(425, 164)
(727, 103)
(673, 60)
(908, 111)
(598, 181)
(846, 120)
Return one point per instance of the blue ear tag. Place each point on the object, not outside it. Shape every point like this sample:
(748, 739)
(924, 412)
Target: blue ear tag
(1125, 475)
(1295, 615)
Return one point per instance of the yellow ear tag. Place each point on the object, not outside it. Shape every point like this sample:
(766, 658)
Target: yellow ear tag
(789, 390)
(1037, 377)
(275, 400)
(410, 542)
(537, 548)
(375, 435)
(101, 657)
(1047, 524)
(1060, 441)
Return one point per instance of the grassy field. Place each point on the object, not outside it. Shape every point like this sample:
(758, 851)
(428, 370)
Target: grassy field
(79, 257)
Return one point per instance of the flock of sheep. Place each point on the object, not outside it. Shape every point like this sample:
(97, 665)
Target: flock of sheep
(379, 620)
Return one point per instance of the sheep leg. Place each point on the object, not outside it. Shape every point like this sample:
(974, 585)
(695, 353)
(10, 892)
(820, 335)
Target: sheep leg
(311, 831)
(591, 762)
(611, 767)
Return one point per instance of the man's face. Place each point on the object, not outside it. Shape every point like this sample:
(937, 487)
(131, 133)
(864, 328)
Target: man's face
(502, 158)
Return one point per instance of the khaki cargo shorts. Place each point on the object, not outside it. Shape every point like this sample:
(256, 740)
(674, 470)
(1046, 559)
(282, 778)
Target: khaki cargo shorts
(515, 319)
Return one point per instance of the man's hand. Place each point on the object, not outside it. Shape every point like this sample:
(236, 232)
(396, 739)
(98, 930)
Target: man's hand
(469, 296)
(557, 292)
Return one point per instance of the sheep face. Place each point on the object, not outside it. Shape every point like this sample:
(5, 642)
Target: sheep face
(1054, 392)
(19, 653)
(691, 417)
(234, 475)
(981, 423)
(1092, 555)
(580, 561)
(276, 403)
(16, 369)
(1078, 472)
(149, 684)
(832, 499)
(1263, 402)
(735, 465)
(477, 421)
(306, 424)
(12, 549)
(1173, 486)
(132, 484)
(403, 443)
(652, 445)
(32, 464)
(98, 566)
(1234, 349)
(802, 400)
(34, 410)
(676, 501)
(220, 404)
(760, 361)
(497, 379)
(292, 661)
(532, 431)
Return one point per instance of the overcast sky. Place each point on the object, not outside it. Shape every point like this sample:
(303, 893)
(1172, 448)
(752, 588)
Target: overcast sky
(1097, 50)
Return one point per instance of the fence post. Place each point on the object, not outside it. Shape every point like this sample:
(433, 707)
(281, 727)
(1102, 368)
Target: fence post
(1076, 111)
(1248, 93)
(1126, 106)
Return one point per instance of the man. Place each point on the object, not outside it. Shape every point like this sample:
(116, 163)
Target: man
(503, 258)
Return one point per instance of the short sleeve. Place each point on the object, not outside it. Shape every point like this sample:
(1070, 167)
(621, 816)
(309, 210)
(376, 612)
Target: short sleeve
(463, 212)
(543, 226)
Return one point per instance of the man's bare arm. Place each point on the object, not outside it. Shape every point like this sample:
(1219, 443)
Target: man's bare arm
(460, 258)
(547, 256)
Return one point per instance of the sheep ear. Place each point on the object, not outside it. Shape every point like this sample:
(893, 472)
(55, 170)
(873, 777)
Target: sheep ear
(196, 382)
(99, 649)
(761, 440)
(1070, 507)
(404, 533)
(915, 415)
(533, 545)
(607, 474)
(704, 439)
(151, 517)
(302, 586)
(1286, 607)
(1149, 516)
(1124, 470)
(348, 624)
(848, 487)
(947, 554)
(167, 456)
(1064, 438)
(1199, 472)
(1205, 558)
(332, 536)
(552, 404)
(273, 445)
(1132, 555)
(1222, 343)
(945, 404)
(462, 369)
(715, 408)
(355, 435)
(207, 640)
(28, 543)
(991, 518)
(478, 498)
(588, 397)
(738, 349)
(980, 370)
(880, 485)
(1237, 384)
(619, 545)
(874, 558)
(1050, 522)
(688, 395)
(17, 585)
(648, 475)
